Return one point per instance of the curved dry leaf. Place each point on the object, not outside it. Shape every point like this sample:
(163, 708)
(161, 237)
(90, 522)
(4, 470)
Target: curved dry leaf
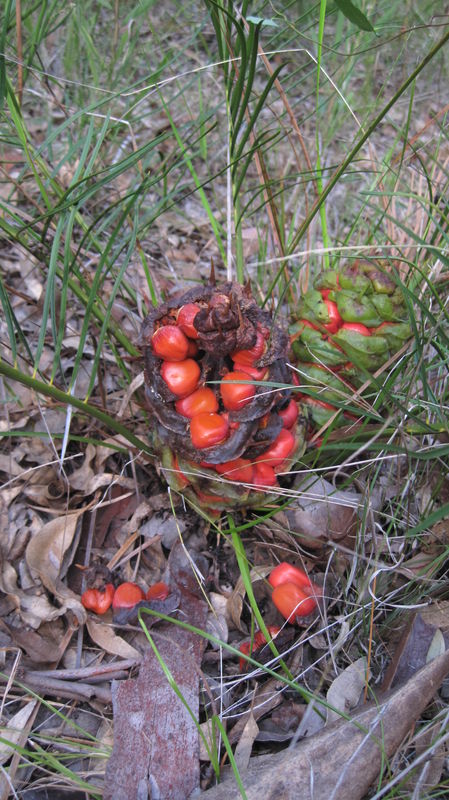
(45, 648)
(44, 556)
(321, 513)
(217, 621)
(437, 646)
(344, 692)
(33, 608)
(14, 730)
(244, 747)
(105, 638)
(88, 479)
(437, 614)
(234, 604)
(217, 626)
(81, 478)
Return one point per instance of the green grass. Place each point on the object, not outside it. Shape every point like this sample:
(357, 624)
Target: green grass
(274, 144)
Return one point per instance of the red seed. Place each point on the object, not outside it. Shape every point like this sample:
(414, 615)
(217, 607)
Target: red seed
(181, 377)
(98, 600)
(288, 573)
(335, 319)
(279, 450)
(127, 595)
(207, 429)
(200, 401)
(192, 350)
(357, 327)
(170, 343)
(264, 475)
(254, 373)
(158, 591)
(289, 415)
(236, 395)
(292, 601)
(182, 479)
(249, 356)
(239, 469)
(184, 320)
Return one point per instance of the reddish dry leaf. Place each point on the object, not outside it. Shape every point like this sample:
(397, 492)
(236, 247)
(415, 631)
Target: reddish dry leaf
(344, 754)
(155, 738)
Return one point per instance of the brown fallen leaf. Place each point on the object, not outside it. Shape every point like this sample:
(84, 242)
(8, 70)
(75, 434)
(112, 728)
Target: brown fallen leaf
(156, 748)
(266, 697)
(16, 732)
(344, 754)
(41, 649)
(345, 690)
(321, 514)
(44, 555)
(412, 650)
(104, 637)
(234, 604)
(245, 744)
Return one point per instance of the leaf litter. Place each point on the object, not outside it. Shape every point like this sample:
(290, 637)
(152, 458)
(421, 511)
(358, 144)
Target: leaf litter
(42, 586)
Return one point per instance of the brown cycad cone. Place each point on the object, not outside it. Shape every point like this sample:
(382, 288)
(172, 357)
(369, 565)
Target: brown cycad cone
(222, 447)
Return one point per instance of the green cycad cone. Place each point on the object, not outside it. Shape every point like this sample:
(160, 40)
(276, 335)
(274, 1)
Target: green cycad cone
(349, 325)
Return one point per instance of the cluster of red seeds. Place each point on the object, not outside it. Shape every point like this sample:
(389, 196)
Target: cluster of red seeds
(294, 595)
(208, 413)
(126, 595)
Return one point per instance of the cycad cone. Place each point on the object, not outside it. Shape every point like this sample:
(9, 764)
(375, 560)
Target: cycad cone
(349, 325)
(227, 323)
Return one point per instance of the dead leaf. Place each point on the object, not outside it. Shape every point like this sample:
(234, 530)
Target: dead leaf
(411, 651)
(344, 754)
(267, 696)
(207, 731)
(217, 620)
(320, 514)
(344, 692)
(437, 614)
(44, 555)
(429, 775)
(244, 747)
(48, 647)
(425, 563)
(103, 635)
(88, 479)
(14, 729)
(437, 646)
(34, 608)
(17, 732)
(234, 605)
